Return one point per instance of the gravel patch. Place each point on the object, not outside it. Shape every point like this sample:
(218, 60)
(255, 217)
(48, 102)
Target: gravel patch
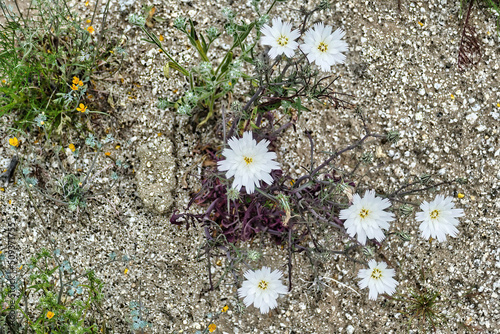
(401, 70)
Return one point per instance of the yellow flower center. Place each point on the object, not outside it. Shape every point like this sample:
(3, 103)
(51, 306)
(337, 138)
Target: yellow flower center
(376, 273)
(434, 214)
(363, 213)
(263, 285)
(248, 160)
(282, 41)
(322, 47)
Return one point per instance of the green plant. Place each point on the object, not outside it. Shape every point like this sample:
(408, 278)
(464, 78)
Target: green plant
(208, 82)
(74, 190)
(49, 297)
(48, 57)
(423, 305)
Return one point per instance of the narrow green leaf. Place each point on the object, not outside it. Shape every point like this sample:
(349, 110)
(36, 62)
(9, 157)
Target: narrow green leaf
(200, 50)
(227, 62)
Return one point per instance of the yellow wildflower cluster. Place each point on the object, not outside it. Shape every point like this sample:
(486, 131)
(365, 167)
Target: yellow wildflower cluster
(81, 107)
(76, 83)
(14, 142)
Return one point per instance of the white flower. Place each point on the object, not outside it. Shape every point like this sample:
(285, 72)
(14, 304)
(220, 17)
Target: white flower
(262, 288)
(323, 47)
(248, 162)
(438, 218)
(366, 217)
(378, 279)
(280, 38)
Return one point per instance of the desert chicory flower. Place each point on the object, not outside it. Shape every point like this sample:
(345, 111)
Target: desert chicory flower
(262, 288)
(366, 217)
(439, 218)
(378, 279)
(280, 38)
(248, 161)
(323, 47)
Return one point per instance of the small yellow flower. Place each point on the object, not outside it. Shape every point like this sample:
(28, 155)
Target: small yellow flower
(460, 195)
(161, 38)
(81, 107)
(452, 96)
(126, 271)
(87, 4)
(117, 147)
(75, 80)
(72, 147)
(21, 267)
(90, 30)
(225, 308)
(80, 83)
(421, 24)
(2, 189)
(74, 87)
(4, 81)
(89, 20)
(211, 328)
(50, 315)
(14, 142)
(219, 263)
(498, 105)
(107, 154)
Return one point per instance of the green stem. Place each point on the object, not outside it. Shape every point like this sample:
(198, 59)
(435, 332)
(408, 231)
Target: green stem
(156, 41)
(272, 5)
(271, 197)
(210, 110)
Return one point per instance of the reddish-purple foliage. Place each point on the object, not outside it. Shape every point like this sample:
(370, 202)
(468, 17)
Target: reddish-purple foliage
(252, 214)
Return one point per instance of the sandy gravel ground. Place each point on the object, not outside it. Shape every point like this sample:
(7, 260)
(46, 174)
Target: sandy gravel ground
(401, 71)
